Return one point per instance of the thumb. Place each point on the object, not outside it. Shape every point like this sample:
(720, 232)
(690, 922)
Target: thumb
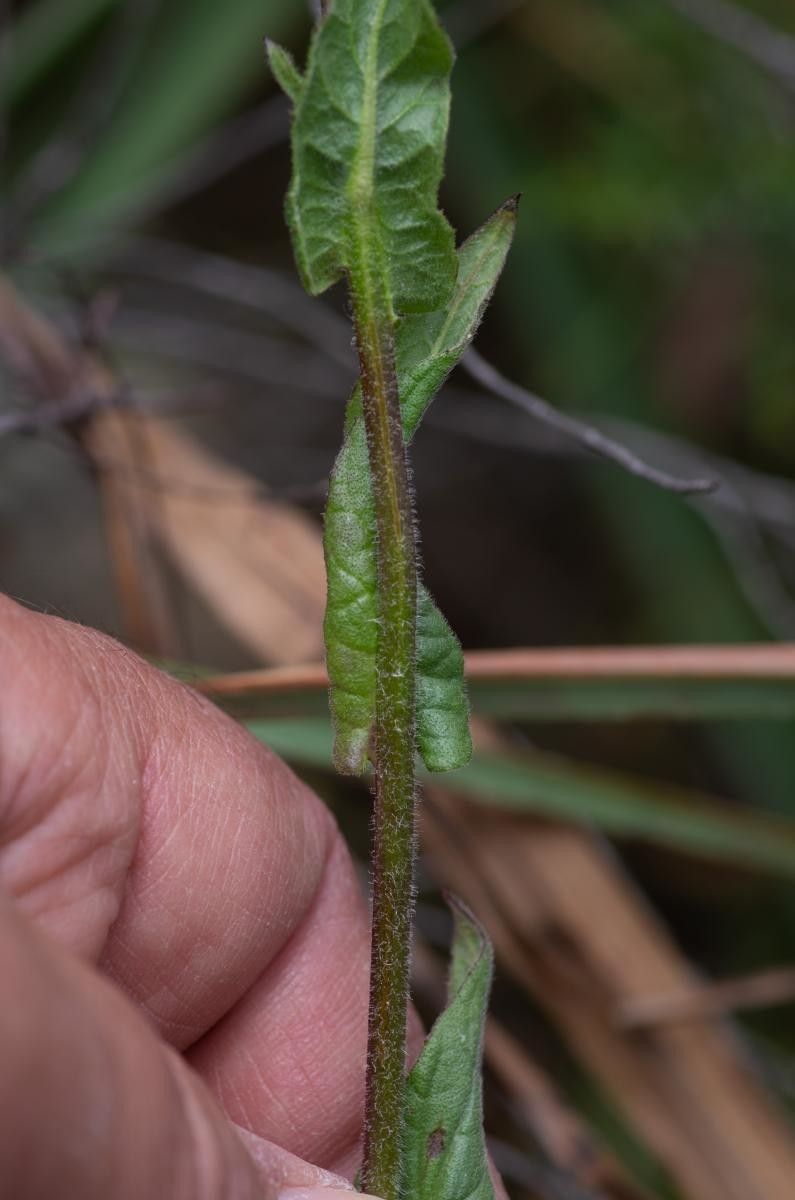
(290, 1178)
(95, 1105)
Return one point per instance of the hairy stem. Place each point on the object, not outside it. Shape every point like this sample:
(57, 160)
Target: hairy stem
(393, 744)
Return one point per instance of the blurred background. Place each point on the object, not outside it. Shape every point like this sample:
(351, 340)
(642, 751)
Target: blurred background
(171, 405)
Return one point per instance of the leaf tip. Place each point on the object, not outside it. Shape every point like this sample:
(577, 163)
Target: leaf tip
(511, 205)
(285, 72)
(350, 754)
(443, 751)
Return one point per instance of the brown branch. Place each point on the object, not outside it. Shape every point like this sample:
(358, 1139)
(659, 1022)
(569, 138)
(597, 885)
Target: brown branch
(578, 431)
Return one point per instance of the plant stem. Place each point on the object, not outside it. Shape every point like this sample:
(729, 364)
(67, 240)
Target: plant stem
(393, 746)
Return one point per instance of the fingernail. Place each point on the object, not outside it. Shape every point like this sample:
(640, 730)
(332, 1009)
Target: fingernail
(322, 1193)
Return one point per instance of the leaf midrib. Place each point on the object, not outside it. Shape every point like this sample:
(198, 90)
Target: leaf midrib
(361, 182)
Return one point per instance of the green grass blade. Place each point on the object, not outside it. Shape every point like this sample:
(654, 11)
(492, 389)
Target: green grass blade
(195, 66)
(623, 806)
(634, 699)
(626, 806)
(41, 34)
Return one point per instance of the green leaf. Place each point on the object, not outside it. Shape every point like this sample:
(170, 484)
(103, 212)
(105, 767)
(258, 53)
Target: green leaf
(621, 805)
(285, 72)
(427, 347)
(445, 1150)
(368, 140)
(443, 736)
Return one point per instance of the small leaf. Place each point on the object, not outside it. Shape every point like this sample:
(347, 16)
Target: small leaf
(429, 345)
(285, 72)
(368, 140)
(427, 348)
(443, 736)
(445, 1150)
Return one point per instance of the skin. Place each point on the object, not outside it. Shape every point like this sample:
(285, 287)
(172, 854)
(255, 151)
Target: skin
(184, 947)
(183, 943)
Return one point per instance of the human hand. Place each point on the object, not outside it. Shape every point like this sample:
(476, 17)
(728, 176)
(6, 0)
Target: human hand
(183, 944)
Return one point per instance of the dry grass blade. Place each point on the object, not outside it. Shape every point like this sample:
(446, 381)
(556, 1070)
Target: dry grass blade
(637, 662)
(701, 683)
(759, 662)
(568, 1141)
(34, 349)
(571, 930)
(71, 384)
(148, 616)
(765, 989)
(258, 563)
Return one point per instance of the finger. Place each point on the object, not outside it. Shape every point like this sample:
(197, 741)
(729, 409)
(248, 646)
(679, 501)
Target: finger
(142, 827)
(301, 1031)
(148, 831)
(95, 1105)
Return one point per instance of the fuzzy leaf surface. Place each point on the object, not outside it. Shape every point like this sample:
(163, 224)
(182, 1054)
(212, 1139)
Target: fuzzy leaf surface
(285, 72)
(445, 1150)
(368, 139)
(428, 345)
